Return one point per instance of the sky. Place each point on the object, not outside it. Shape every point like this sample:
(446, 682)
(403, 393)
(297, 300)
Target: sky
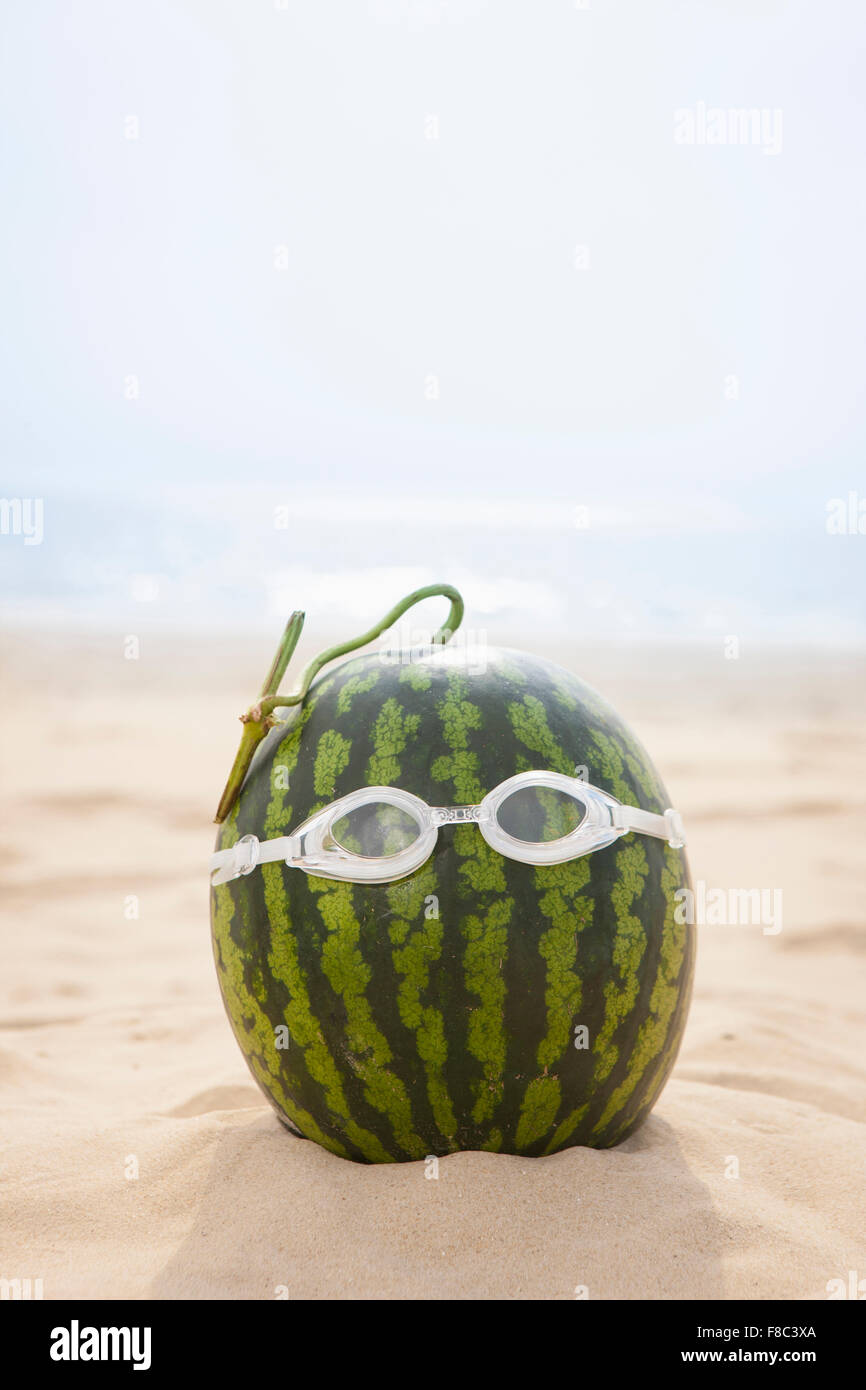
(308, 305)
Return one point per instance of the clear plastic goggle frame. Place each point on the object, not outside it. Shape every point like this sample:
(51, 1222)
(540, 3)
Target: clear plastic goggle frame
(320, 848)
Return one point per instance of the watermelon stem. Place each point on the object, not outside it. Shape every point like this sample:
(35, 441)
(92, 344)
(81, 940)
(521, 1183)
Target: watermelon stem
(255, 725)
(259, 719)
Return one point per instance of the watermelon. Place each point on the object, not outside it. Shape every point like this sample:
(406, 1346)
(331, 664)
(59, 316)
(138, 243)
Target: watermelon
(479, 1003)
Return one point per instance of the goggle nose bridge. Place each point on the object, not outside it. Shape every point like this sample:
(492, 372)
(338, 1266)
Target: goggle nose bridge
(456, 815)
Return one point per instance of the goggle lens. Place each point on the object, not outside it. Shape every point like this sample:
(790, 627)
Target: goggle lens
(537, 815)
(375, 830)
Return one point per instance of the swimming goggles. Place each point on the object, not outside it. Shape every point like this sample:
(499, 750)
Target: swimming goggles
(380, 834)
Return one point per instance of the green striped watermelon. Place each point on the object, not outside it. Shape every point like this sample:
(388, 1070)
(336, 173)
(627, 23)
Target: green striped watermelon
(480, 1003)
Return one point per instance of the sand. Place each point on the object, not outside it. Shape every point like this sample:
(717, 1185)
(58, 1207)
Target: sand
(139, 1158)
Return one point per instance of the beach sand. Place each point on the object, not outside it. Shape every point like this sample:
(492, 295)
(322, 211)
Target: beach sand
(140, 1159)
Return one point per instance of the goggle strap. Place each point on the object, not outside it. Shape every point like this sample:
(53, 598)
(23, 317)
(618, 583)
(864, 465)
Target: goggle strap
(667, 827)
(247, 852)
